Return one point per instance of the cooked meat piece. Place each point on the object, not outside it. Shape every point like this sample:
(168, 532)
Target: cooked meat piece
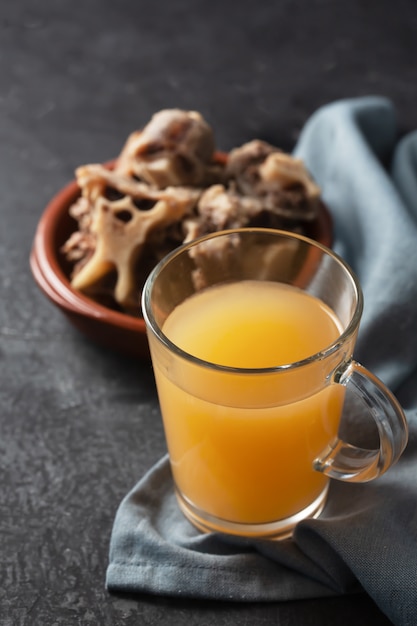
(175, 148)
(116, 217)
(218, 209)
(278, 179)
(243, 165)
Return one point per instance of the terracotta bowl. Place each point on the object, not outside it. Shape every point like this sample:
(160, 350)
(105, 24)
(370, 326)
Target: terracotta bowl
(114, 330)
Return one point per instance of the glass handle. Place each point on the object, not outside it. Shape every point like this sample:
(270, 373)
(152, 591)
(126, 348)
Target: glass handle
(344, 461)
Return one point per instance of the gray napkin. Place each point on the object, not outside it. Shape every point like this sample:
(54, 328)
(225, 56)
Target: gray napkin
(366, 537)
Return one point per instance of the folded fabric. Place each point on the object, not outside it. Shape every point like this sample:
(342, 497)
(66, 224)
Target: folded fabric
(366, 537)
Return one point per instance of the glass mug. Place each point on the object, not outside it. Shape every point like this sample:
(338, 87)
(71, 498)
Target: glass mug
(251, 333)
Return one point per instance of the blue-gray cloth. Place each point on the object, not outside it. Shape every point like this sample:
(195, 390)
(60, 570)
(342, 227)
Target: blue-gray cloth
(366, 537)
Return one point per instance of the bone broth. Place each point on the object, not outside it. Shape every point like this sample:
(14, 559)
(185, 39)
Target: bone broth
(242, 474)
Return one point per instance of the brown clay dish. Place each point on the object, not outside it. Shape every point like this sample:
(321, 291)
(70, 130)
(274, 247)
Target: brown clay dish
(111, 329)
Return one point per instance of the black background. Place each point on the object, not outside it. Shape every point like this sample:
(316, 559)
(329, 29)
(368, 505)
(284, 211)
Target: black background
(79, 426)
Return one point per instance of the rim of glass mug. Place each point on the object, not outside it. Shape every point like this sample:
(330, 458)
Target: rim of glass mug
(349, 330)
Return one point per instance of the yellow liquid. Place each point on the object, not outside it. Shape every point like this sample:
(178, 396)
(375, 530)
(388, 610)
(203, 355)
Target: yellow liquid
(242, 447)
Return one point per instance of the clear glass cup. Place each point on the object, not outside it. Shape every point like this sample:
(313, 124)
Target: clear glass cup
(252, 448)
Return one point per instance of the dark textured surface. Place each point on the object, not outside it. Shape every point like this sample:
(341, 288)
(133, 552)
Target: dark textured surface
(79, 426)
